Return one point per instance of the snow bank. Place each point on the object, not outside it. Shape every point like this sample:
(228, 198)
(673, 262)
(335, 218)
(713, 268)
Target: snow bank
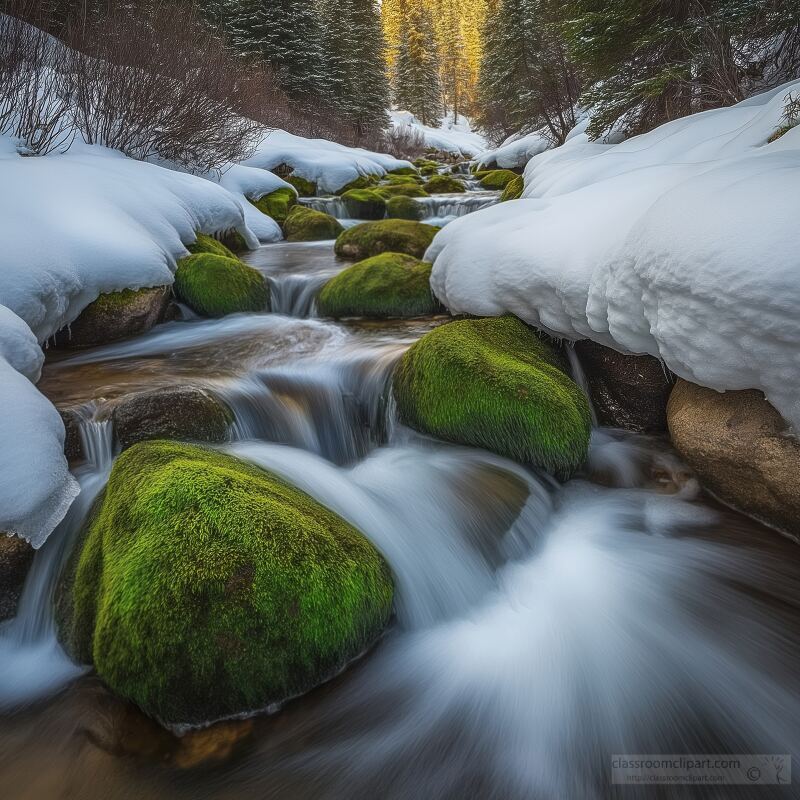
(681, 243)
(516, 151)
(249, 182)
(328, 164)
(450, 137)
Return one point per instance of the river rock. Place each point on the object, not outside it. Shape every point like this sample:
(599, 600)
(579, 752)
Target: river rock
(73, 447)
(628, 391)
(184, 413)
(205, 587)
(117, 315)
(741, 450)
(16, 556)
(388, 235)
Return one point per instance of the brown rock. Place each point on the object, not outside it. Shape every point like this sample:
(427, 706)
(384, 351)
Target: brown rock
(741, 450)
(185, 413)
(16, 556)
(73, 447)
(627, 391)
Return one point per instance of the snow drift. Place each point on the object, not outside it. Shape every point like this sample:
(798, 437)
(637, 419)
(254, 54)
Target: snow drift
(458, 139)
(680, 243)
(516, 151)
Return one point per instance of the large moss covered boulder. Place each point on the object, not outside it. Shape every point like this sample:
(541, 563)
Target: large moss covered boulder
(305, 187)
(361, 182)
(403, 207)
(388, 285)
(277, 204)
(388, 235)
(213, 285)
(494, 383)
(401, 190)
(514, 189)
(364, 204)
(117, 315)
(497, 179)
(208, 244)
(445, 184)
(205, 587)
(307, 225)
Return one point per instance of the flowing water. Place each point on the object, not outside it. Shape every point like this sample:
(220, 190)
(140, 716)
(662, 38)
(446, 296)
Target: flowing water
(540, 628)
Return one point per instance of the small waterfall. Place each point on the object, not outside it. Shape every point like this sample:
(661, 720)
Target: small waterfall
(34, 663)
(334, 206)
(443, 208)
(579, 376)
(295, 295)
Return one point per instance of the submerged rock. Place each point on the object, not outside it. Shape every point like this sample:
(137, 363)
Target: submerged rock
(205, 587)
(497, 178)
(16, 557)
(276, 204)
(364, 204)
(494, 383)
(388, 285)
(741, 450)
(445, 184)
(117, 315)
(389, 235)
(306, 225)
(514, 189)
(185, 413)
(213, 285)
(627, 391)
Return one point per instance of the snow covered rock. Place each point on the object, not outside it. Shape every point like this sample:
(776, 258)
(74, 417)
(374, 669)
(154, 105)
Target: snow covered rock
(680, 243)
(515, 152)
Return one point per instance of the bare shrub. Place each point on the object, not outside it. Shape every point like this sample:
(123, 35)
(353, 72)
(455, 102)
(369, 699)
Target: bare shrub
(35, 95)
(404, 143)
(155, 82)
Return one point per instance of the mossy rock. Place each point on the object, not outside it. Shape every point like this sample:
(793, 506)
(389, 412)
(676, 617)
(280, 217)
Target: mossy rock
(494, 383)
(214, 286)
(401, 190)
(445, 184)
(396, 180)
(514, 189)
(117, 315)
(389, 235)
(361, 182)
(403, 207)
(205, 587)
(419, 163)
(429, 170)
(402, 171)
(498, 179)
(208, 244)
(305, 188)
(364, 204)
(276, 204)
(234, 241)
(307, 225)
(384, 286)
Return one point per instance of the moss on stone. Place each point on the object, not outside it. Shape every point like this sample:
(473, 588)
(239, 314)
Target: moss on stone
(513, 190)
(361, 182)
(388, 285)
(276, 204)
(401, 190)
(445, 184)
(364, 204)
(306, 225)
(494, 383)
(403, 207)
(208, 244)
(428, 170)
(394, 180)
(419, 163)
(213, 285)
(389, 235)
(206, 587)
(234, 241)
(403, 171)
(305, 188)
(498, 179)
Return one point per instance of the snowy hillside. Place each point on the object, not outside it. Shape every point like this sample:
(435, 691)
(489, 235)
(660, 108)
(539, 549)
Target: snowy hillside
(681, 243)
(455, 138)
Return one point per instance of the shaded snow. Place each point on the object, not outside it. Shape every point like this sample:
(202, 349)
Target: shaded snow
(458, 139)
(681, 243)
(516, 151)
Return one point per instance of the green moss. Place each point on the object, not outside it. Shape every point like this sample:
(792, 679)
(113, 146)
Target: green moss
(208, 244)
(361, 182)
(425, 162)
(429, 170)
(114, 302)
(498, 179)
(445, 184)
(402, 171)
(364, 204)
(403, 207)
(493, 383)
(401, 190)
(276, 204)
(388, 285)
(206, 587)
(234, 241)
(306, 225)
(395, 180)
(513, 190)
(389, 235)
(213, 285)
(305, 188)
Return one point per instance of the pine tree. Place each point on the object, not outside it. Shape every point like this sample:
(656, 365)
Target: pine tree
(416, 73)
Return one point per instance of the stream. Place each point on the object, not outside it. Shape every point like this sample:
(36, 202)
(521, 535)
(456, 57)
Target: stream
(539, 629)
